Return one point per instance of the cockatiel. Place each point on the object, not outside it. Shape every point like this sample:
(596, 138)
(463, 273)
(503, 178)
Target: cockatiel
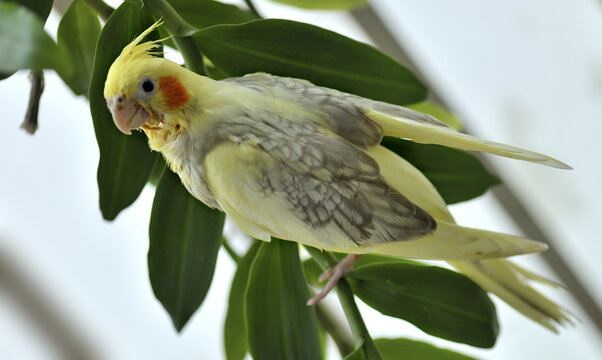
(283, 157)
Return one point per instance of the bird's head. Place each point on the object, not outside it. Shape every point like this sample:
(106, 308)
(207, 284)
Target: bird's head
(142, 90)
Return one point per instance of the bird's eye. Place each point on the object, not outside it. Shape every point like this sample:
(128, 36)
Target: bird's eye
(148, 86)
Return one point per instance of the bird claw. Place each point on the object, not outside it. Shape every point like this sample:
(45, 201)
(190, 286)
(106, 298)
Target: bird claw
(333, 275)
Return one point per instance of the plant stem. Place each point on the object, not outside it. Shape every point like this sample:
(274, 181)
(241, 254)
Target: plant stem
(30, 123)
(230, 251)
(358, 327)
(181, 32)
(192, 57)
(103, 10)
(331, 325)
(252, 8)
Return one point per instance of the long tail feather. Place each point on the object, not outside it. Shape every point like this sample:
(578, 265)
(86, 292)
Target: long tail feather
(498, 276)
(502, 278)
(427, 133)
(454, 242)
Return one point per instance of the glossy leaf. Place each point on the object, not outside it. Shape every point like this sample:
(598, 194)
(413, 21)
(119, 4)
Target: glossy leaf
(77, 34)
(457, 175)
(440, 302)
(280, 325)
(185, 236)
(393, 349)
(24, 44)
(204, 13)
(324, 4)
(125, 161)
(288, 48)
(235, 331)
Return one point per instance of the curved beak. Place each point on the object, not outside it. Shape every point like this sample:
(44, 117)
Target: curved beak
(127, 114)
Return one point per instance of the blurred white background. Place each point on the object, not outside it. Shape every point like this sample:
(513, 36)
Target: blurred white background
(523, 73)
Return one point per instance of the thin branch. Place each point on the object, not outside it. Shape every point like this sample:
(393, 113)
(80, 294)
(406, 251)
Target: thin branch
(43, 312)
(181, 32)
(192, 57)
(230, 251)
(252, 8)
(30, 123)
(103, 10)
(331, 325)
(360, 332)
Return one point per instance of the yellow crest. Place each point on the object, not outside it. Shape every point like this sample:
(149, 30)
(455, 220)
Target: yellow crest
(136, 49)
(129, 62)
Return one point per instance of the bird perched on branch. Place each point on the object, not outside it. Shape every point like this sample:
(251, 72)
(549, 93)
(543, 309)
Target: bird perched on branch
(283, 157)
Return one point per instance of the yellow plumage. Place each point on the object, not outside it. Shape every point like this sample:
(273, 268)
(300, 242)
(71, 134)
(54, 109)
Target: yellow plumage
(285, 158)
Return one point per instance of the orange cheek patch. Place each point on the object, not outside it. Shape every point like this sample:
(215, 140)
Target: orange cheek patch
(174, 93)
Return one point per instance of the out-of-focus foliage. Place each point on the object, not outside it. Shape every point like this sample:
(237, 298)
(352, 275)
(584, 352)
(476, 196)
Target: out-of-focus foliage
(24, 44)
(77, 35)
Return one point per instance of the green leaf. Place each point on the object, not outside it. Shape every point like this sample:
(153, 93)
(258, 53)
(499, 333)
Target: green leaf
(185, 236)
(40, 7)
(77, 34)
(393, 349)
(24, 44)
(437, 111)
(457, 175)
(235, 331)
(125, 161)
(324, 4)
(357, 354)
(440, 302)
(279, 324)
(288, 48)
(204, 13)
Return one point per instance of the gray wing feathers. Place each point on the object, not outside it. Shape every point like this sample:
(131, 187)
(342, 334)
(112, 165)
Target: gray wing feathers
(344, 116)
(327, 181)
(346, 112)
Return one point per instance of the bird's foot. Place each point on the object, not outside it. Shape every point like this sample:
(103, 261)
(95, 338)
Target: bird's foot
(333, 275)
